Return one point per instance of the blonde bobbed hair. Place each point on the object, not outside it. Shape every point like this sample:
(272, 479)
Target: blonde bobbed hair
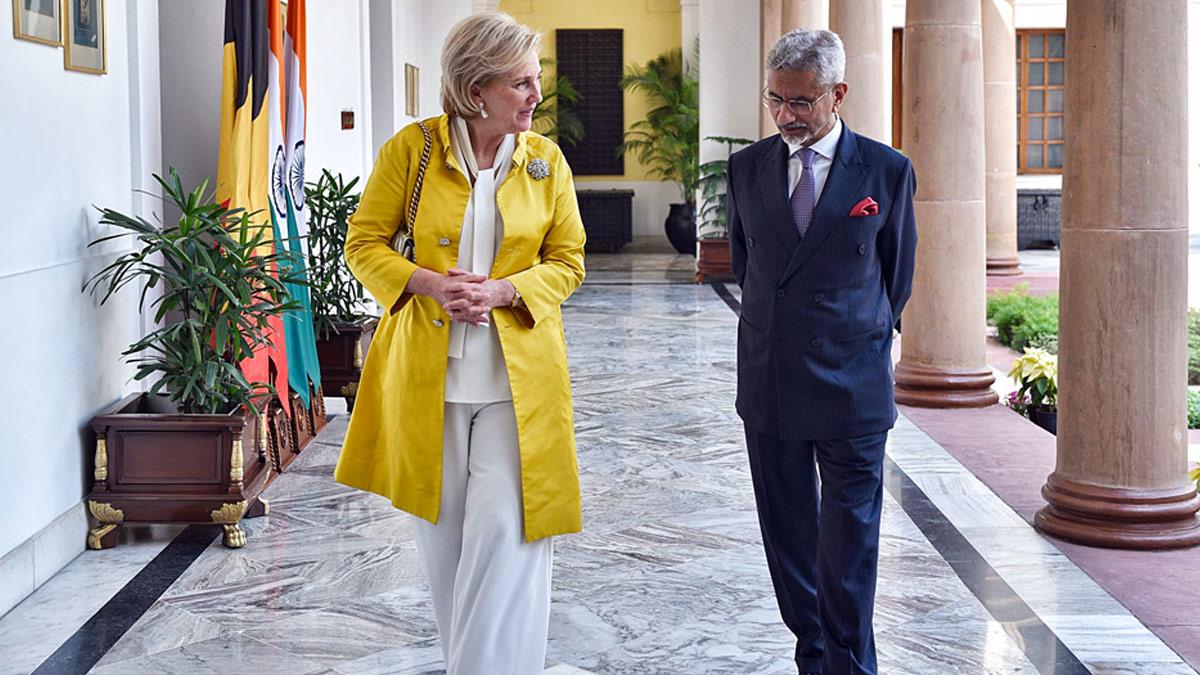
(479, 49)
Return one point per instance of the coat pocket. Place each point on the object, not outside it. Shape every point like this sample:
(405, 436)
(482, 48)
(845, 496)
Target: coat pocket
(876, 333)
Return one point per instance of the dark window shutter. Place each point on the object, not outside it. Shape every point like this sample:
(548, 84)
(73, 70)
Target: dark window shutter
(592, 60)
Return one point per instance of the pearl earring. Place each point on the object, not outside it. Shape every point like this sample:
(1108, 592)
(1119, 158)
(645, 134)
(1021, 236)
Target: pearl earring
(482, 112)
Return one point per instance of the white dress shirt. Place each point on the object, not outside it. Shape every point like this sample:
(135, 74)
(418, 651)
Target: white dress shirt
(825, 149)
(475, 371)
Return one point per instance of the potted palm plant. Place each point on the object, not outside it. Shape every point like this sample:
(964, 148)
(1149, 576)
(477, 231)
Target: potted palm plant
(192, 448)
(713, 228)
(556, 121)
(667, 141)
(343, 326)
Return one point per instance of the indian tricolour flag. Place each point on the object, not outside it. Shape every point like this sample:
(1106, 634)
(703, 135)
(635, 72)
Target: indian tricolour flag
(243, 162)
(289, 215)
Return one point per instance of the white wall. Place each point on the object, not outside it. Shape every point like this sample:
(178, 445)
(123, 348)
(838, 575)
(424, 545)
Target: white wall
(417, 30)
(438, 18)
(338, 74)
(71, 141)
(192, 36)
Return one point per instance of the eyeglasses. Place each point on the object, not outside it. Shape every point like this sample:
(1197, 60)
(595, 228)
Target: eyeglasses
(796, 105)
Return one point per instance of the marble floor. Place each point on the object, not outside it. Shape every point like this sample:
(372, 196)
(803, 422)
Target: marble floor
(667, 577)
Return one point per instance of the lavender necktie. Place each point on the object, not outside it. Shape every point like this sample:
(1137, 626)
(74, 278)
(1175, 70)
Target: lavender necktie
(804, 197)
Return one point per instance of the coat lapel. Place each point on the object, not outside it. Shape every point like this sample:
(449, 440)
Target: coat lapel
(837, 198)
(773, 190)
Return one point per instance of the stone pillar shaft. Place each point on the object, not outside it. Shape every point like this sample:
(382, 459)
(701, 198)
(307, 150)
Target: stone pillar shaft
(770, 23)
(943, 359)
(1120, 478)
(866, 30)
(810, 14)
(1000, 151)
(689, 32)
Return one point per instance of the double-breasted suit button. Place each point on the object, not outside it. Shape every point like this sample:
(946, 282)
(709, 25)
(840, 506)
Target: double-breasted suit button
(749, 241)
(862, 248)
(815, 342)
(819, 297)
(444, 241)
(780, 293)
(439, 323)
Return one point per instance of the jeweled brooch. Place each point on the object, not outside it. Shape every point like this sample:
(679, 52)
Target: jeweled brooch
(538, 168)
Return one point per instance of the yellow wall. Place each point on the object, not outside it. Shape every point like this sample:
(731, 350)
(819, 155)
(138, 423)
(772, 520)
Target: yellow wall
(650, 27)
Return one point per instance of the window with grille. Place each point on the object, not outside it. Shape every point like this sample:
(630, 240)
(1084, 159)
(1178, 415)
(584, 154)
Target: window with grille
(592, 59)
(1041, 71)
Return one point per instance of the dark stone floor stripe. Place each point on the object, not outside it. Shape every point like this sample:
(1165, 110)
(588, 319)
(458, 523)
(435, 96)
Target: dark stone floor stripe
(91, 642)
(725, 294)
(1041, 646)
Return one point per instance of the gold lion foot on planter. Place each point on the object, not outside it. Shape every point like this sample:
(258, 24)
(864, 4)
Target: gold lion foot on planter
(102, 536)
(235, 536)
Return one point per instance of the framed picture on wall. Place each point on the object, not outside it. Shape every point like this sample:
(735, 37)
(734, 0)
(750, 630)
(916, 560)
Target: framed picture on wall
(86, 37)
(412, 90)
(38, 21)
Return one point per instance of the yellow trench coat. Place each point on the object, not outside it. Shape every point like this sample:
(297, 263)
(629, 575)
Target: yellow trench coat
(394, 444)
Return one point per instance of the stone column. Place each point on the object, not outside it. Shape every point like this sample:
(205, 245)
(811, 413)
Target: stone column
(1120, 479)
(866, 29)
(810, 14)
(689, 32)
(770, 22)
(943, 362)
(1000, 151)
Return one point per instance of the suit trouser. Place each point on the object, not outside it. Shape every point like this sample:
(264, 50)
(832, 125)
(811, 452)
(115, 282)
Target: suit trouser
(491, 589)
(822, 542)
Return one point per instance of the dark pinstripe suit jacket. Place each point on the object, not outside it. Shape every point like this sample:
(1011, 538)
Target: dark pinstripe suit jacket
(815, 336)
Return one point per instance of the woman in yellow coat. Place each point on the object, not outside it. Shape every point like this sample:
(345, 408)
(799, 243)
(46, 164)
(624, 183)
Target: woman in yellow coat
(463, 415)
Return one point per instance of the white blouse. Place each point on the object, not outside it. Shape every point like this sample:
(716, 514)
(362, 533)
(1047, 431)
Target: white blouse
(475, 371)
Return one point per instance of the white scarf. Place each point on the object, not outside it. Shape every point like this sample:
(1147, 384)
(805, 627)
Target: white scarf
(483, 223)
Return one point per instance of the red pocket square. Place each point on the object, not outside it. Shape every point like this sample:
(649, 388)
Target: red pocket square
(867, 207)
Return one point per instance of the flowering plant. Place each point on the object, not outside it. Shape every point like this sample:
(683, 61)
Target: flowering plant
(1036, 374)
(1018, 402)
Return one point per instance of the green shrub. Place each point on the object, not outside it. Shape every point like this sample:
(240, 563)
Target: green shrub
(1194, 346)
(1193, 403)
(1045, 341)
(1023, 320)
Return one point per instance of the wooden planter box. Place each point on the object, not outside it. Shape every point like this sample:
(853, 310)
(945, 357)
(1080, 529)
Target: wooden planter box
(712, 263)
(342, 354)
(301, 427)
(153, 465)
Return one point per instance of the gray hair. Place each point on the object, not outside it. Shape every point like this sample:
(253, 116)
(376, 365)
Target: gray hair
(818, 51)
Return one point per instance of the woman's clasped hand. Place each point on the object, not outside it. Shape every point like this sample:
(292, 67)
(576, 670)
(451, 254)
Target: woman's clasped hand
(467, 297)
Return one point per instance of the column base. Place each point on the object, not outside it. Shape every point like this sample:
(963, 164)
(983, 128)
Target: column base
(1108, 517)
(1003, 267)
(944, 388)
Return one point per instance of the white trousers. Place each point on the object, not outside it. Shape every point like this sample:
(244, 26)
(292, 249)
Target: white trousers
(491, 590)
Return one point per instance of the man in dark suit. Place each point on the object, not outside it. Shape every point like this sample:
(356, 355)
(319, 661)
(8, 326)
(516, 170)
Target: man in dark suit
(823, 241)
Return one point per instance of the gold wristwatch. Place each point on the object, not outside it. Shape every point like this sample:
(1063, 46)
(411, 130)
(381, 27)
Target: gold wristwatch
(517, 300)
